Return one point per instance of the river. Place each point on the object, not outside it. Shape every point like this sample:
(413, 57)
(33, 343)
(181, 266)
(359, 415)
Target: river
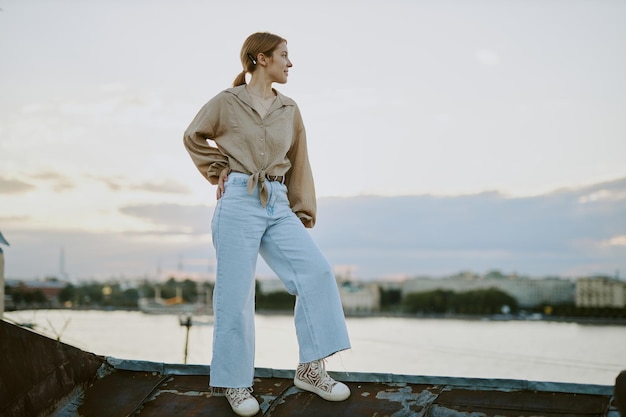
(528, 350)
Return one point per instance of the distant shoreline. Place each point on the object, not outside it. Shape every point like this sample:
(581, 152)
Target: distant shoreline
(386, 314)
(390, 314)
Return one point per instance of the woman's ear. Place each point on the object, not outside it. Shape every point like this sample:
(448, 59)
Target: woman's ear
(262, 59)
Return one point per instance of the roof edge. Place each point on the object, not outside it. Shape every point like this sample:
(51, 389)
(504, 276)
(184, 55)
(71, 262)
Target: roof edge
(459, 382)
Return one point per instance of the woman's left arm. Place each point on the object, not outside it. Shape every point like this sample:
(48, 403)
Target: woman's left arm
(299, 181)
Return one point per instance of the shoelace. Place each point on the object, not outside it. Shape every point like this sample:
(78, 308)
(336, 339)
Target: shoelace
(238, 395)
(327, 380)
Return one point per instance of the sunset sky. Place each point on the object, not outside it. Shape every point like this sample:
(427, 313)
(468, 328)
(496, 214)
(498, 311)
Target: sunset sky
(399, 98)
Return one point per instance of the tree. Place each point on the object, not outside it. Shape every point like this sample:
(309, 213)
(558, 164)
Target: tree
(435, 301)
(67, 293)
(390, 298)
(485, 301)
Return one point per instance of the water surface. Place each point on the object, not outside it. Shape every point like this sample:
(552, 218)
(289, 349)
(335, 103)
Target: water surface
(529, 350)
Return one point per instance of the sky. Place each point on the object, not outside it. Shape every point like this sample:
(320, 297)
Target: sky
(445, 98)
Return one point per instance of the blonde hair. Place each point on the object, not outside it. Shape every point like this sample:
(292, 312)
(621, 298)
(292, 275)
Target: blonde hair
(260, 42)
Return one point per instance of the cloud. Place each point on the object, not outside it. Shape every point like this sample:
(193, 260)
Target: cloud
(167, 187)
(59, 182)
(602, 195)
(483, 231)
(98, 255)
(12, 219)
(13, 186)
(550, 234)
(173, 217)
(112, 184)
(615, 241)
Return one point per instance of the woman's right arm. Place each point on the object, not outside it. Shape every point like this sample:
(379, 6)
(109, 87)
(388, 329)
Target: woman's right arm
(220, 183)
(207, 157)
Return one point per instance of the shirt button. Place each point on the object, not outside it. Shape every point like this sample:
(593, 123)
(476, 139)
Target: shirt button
(262, 153)
(262, 139)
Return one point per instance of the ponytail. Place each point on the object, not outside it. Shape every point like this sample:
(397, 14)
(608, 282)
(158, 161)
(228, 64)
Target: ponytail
(240, 79)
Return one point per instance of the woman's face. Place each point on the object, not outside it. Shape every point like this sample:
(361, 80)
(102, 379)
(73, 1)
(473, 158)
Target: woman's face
(279, 64)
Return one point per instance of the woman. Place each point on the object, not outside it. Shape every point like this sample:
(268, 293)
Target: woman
(250, 141)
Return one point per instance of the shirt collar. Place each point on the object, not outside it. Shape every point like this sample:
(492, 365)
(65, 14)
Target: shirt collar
(242, 93)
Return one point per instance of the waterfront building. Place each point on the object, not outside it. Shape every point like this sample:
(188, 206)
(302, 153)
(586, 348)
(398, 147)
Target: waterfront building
(528, 292)
(359, 298)
(49, 288)
(598, 292)
(356, 297)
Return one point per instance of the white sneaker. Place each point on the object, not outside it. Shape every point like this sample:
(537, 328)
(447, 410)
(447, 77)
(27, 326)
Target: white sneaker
(241, 401)
(312, 377)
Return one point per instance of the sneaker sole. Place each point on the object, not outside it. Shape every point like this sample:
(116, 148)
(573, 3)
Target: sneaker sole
(325, 395)
(247, 413)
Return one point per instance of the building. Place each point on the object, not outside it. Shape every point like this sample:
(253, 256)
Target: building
(270, 285)
(526, 291)
(359, 298)
(356, 298)
(49, 288)
(599, 292)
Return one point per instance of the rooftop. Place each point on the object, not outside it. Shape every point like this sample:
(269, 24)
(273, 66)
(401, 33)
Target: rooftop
(42, 377)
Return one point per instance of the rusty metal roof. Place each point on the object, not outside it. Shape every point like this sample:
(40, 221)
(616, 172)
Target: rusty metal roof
(43, 377)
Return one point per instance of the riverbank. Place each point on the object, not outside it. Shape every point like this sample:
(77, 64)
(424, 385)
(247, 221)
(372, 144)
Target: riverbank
(468, 317)
(392, 314)
(531, 350)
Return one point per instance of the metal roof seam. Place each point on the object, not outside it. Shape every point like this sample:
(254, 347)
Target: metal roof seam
(149, 394)
(472, 383)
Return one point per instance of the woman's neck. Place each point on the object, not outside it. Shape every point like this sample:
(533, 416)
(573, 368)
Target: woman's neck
(263, 91)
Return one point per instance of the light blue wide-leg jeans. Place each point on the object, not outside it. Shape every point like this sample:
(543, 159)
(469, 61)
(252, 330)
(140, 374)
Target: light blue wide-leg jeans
(242, 229)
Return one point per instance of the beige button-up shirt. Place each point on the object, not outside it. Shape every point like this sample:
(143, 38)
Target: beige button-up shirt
(229, 133)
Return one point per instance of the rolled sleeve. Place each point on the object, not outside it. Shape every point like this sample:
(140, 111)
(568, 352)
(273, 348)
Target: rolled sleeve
(208, 158)
(299, 181)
